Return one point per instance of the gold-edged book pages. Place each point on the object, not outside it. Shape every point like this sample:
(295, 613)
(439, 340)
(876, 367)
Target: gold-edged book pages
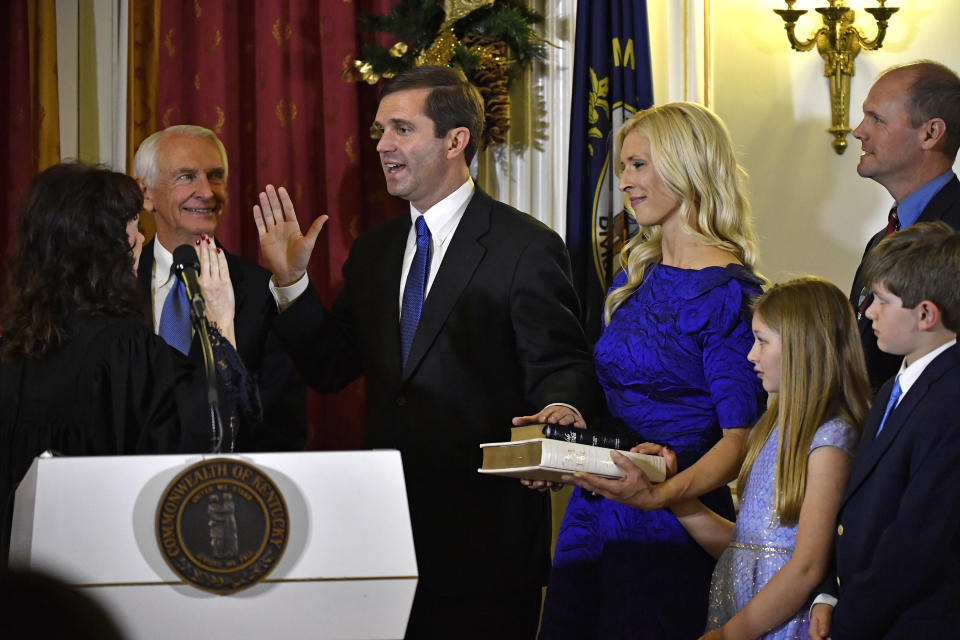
(543, 459)
(527, 432)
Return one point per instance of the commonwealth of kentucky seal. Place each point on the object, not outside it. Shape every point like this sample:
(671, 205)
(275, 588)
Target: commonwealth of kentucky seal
(222, 525)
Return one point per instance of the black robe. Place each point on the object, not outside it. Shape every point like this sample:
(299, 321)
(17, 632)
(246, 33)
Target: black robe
(114, 388)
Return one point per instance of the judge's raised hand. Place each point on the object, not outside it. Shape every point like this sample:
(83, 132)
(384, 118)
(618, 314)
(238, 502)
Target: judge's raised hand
(285, 250)
(214, 279)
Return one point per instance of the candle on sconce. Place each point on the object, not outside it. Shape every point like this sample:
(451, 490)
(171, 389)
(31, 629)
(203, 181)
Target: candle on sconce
(838, 42)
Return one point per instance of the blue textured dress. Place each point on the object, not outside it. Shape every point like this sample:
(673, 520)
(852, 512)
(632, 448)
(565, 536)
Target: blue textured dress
(673, 366)
(760, 545)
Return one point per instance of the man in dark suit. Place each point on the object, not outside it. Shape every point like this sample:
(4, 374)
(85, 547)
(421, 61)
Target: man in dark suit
(183, 173)
(497, 336)
(897, 562)
(910, 134)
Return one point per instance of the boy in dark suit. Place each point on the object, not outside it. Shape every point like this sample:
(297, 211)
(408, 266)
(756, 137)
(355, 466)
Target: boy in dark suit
(897, 563)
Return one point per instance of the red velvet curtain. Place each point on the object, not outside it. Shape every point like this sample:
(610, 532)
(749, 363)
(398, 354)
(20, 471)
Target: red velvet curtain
(29, 111)
(266, 77)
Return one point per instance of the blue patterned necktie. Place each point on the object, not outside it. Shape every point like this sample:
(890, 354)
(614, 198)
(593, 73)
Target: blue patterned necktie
(414, 289)
(175, 318)
(895, 394)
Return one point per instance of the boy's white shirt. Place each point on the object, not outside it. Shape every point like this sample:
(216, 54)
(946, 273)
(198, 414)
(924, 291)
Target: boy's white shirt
(909, 375)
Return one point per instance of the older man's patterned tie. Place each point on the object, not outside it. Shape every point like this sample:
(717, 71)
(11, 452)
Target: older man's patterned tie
(175, 318)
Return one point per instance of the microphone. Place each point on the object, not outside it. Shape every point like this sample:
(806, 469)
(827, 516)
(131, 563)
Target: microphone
(186, 265)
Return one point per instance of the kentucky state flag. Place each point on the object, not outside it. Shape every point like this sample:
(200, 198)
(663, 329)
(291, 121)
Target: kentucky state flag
(611, 82)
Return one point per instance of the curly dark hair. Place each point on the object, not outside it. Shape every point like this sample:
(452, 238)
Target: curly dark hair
(71, 256)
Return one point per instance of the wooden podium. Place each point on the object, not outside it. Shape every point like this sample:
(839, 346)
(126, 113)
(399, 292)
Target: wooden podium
(348, 569)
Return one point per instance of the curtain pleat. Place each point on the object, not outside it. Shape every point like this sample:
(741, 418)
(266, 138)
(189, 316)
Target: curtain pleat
(267, 78)
(29, 115)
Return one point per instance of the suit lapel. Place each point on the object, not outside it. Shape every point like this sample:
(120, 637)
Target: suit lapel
(873, 447)
(459, 263)
(863, 322)
(387, 306)
(145, 274)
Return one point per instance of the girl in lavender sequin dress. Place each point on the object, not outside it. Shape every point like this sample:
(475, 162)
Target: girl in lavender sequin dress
(807, 352)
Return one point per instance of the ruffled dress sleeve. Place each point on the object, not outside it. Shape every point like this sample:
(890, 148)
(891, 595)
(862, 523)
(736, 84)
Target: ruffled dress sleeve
(722, 319)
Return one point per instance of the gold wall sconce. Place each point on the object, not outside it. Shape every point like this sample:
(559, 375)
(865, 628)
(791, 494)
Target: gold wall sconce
(838, 42)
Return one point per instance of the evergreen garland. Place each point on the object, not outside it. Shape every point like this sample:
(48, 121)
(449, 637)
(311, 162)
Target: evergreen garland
(491, 41)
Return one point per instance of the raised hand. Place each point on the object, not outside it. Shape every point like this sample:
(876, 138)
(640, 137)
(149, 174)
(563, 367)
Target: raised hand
(285, 249)
(214, 278)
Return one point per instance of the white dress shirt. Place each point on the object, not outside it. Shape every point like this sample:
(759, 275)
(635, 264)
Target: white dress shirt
(161, 281)
(909, 375)
(442, 219)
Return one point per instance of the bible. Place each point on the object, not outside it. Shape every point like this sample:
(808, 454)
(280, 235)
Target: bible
(545, 459)
(574, 434)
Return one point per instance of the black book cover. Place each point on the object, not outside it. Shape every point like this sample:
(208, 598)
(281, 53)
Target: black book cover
(588, 436)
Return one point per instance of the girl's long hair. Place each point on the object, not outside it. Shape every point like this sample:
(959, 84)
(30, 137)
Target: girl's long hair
(692, 153)
(71, 256)
(822, 376)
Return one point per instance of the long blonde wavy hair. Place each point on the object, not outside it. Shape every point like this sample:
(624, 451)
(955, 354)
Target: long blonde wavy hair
(822, 376)
(692, 153)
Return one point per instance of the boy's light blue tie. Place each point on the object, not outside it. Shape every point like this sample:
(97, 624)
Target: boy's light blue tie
(175, 318)
(413, 290)
(895, 394)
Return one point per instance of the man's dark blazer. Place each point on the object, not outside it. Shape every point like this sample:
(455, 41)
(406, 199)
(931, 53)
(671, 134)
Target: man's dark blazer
(881, 366)
(282, 391)
(498, 337)
(898, 542)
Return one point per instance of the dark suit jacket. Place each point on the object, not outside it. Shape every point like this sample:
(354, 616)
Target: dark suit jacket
(898, 556)
(282, 392)
(498, 337)
(881, 366)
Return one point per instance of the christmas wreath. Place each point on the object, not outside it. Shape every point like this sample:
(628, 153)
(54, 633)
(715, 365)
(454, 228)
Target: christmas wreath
(491, 41)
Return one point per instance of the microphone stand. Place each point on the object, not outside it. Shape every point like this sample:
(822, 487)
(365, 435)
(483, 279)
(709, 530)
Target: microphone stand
(199, 319)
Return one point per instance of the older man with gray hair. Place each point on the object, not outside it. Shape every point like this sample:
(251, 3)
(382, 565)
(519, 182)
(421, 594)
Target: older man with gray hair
(183, 173)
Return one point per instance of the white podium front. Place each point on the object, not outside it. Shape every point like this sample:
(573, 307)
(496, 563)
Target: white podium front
(348, 569)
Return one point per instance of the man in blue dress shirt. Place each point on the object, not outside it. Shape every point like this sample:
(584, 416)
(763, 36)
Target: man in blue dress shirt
(909, 135)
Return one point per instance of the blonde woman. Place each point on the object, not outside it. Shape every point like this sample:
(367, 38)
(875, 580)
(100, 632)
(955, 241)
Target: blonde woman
(672, 362)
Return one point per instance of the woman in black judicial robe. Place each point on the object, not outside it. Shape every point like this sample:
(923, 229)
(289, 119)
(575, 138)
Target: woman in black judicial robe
(81, 371)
